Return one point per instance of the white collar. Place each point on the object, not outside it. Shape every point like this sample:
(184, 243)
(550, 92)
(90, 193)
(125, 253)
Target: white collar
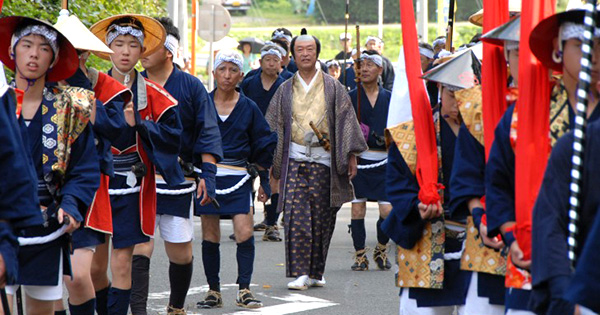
(308, 86)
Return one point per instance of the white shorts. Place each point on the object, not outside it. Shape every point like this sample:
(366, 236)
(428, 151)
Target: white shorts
(360, 200)
(409, 306)
(476, 304)
(586, 311)
(41, 292)
(175, 229)
(520, 312)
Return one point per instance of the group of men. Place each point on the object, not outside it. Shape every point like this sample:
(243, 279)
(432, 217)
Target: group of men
(112, 157)
(92, 158)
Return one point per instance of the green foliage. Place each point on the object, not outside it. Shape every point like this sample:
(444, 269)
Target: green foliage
(364, 14)
(392, 36)
(360, 12)
(87, 11)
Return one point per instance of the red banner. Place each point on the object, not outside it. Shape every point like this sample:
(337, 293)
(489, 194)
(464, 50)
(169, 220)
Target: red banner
(533, 145)
(427, 158)
(493, 73)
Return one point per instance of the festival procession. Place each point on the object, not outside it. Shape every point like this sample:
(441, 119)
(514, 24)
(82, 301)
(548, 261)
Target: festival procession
(457, 177)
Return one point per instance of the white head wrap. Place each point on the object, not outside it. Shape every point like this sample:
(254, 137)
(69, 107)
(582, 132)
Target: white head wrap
(281, 34)
(444, 53)
(375, 38)
(451, 88)
(439, 41)
(49, 34)
(229, 56)
(115, 30)
(172, 45)
(570, 30)
(376, 59)
(426, 52)
(511, 45)
(271, 50)
(332, 63)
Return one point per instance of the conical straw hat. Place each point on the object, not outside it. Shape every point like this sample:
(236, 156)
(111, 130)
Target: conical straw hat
(154, 32)
(79, 35)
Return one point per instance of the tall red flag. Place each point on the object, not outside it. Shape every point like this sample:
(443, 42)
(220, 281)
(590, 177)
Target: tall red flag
(427, 158)
(493, 73)
(533, 143)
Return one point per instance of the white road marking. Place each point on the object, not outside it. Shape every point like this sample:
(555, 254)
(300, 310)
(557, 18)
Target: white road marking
(296, 303)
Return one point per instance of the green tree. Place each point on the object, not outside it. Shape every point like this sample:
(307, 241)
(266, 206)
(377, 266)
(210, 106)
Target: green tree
(87, 11)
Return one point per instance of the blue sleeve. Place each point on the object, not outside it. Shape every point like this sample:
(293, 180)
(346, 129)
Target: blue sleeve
(262, 139)
(585, 286)
(161, 141)
(550, 267)
(245, 83)
(208, 135)
(82, 178)
(19, 201)
(109, 125)
(404, 224)
(110, 120)
(468, 170)
(500, 178)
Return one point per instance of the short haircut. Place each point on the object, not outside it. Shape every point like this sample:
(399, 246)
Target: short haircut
(170, 28)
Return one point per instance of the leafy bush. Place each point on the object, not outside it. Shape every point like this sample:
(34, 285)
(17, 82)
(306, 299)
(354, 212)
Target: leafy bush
(88, 12)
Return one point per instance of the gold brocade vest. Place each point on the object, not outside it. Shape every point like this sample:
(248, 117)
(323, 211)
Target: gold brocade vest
(559, 116)
(308, 106)
(476, 256)
(423, 265)
(559, 125)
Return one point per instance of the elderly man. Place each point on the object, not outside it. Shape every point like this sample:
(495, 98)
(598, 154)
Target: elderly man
(318, 139)
(346, 43)
(387, 77)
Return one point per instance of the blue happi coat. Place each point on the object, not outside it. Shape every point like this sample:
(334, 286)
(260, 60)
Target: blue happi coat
(19, 203)
(370, 183)
(246, 138)
(253, 89)
(550, 267)
(200, 135)
(39, 264)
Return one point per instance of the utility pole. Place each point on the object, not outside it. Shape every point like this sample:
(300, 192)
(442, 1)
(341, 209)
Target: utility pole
(422, 19)
(380, 14)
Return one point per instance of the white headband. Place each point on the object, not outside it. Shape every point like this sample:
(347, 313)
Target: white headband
(229, 56)
(376, 39)
(271, 51)
(50, 35)
(376, 59)
(281, 34)
(426, 52)
(570, 30)
(172, 45)
(115, 30)
(439, 41)
(452, 88)
(511, 45)
(332, 63)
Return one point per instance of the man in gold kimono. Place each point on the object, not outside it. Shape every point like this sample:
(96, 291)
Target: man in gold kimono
(318, 140)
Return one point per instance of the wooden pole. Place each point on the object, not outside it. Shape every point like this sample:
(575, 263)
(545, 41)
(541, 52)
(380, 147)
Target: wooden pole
(65, 4)
(194, 34)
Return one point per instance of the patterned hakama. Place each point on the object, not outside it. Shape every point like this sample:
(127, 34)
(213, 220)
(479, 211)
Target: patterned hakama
(308, 219)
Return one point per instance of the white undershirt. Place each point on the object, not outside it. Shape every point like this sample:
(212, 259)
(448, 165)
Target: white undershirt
(223, 117)
(308, 86)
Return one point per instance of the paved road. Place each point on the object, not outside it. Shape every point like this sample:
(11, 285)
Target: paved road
(346, 292)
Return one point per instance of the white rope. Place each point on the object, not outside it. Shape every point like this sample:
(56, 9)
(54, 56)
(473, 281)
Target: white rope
(374, 165)
(124, 191)
(27, 241)
(234, 187)
(455, 255)
(176, 192)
